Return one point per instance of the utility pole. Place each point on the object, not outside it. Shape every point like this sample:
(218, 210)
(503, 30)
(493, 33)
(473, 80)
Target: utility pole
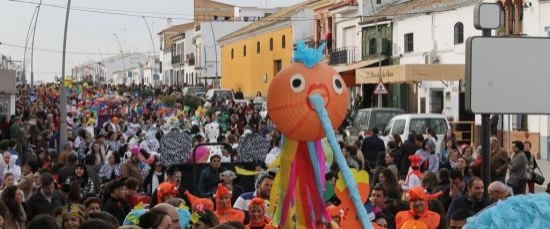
(63, 93)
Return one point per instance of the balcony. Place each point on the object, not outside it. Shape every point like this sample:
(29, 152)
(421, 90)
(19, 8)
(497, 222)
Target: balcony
(176, 59)
(340, 56)
(191, 61)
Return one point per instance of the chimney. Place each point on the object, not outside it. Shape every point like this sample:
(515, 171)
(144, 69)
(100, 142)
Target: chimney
(168, 22)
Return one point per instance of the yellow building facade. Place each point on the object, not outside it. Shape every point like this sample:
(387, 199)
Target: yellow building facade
(251, 62)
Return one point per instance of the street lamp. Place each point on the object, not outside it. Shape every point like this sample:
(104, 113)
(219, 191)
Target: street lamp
(32, 43)
(123, 61)
(153, 46)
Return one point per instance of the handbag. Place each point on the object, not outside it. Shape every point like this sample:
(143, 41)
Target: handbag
(538, 178)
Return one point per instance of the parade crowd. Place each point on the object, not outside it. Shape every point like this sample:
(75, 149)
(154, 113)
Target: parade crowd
(128, 147)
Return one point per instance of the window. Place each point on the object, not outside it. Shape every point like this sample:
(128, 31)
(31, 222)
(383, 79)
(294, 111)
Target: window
(438, 125)
(398, 127)
(459, 33)
(270, 44)
(277, 66)
(372, 46)
(409, 43)
(244, 50)
(232, 54)
(258, 47)
(283, 42)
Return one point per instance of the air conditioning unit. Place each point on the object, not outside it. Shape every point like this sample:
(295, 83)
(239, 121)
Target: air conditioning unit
(431, 58)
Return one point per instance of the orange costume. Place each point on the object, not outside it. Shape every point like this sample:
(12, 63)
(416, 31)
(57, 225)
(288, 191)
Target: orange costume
(165, 189)
(226, 213)
(199, 203)
(263, 224)
(419, 220)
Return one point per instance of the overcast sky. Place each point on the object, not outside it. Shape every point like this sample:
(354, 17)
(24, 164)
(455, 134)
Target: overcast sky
(91, 33)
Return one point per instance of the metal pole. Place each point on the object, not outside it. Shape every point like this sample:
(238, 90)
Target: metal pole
(26, 44)
(485, 138)
(62, 93)
(378, 51)
(32, 44)
(123, 59)
(153, 70)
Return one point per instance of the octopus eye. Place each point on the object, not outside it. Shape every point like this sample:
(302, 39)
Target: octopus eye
(337, 84)
(297, 83)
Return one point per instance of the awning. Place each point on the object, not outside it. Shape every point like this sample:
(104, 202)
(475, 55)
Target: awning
(410, 73)
(357, 65)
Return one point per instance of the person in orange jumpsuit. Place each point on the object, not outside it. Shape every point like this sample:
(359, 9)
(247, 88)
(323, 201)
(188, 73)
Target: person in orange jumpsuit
(256, 211)
(224, 210)
(418, 217)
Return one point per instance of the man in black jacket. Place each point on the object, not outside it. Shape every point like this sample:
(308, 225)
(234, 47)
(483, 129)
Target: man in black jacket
(371, 146)
(472, 201)
(115, 204)
(46, 198)
(209, 177)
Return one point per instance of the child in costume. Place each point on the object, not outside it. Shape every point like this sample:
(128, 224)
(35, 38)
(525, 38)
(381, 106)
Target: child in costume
(414, 177)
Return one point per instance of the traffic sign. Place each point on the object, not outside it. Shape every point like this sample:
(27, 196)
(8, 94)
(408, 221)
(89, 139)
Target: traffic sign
(380, 89)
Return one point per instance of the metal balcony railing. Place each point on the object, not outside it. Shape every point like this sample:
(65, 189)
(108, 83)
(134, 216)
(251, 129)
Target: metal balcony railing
(346, 55)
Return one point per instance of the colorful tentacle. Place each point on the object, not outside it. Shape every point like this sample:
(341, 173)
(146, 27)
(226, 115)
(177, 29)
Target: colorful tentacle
(318, 104)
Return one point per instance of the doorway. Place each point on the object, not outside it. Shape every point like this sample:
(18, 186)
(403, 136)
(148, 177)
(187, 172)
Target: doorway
(436, 101)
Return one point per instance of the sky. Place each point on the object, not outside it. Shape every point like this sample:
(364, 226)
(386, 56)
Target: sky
(90, 35)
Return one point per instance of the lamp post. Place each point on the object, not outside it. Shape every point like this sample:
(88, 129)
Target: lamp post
(123, 59)
(26, 44)
(153, 70)
(63, 93)
(32, 43)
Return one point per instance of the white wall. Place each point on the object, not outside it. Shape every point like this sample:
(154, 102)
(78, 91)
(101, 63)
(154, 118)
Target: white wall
(212, 47)
(435, 33)
(302, 29)
(166, 66)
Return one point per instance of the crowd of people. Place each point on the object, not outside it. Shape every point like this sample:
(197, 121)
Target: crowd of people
(124, 165)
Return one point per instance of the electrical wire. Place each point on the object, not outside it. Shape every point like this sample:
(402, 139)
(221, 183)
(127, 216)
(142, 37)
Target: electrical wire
(71, 52)
(130, 13)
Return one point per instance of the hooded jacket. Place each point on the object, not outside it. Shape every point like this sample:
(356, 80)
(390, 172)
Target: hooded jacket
(11, 167)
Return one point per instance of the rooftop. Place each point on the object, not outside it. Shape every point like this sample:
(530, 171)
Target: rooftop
(279, 16)
(414, 7)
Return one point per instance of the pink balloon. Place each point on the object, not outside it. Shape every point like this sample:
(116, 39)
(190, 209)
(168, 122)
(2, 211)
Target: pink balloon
(201, 154)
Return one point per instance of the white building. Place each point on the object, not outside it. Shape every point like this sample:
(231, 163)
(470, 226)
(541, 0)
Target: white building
(431, 39)
(435, 34)
(168, 50)
(103, 71)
